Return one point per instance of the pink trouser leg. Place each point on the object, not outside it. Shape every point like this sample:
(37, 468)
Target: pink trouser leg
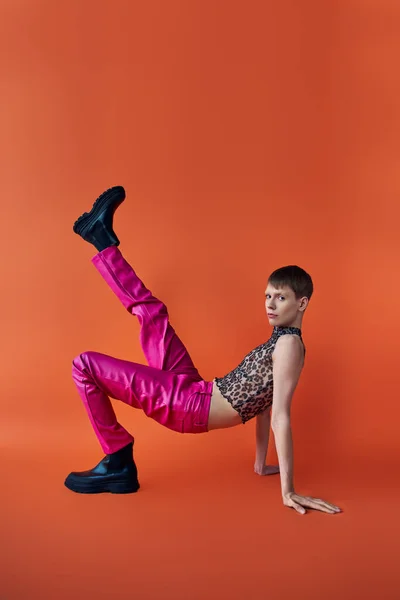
(168, 379)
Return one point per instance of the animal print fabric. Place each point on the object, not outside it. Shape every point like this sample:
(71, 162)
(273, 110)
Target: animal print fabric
(249, 387)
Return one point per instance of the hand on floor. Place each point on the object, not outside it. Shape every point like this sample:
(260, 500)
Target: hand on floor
(266, 470)
(300, 503)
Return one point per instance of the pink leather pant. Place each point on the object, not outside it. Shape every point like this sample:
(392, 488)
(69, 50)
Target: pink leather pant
(169, 390)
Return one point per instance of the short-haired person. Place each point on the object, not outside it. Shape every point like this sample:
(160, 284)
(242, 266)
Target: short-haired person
(170, 390)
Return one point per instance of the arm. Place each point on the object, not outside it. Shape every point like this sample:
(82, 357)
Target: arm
(286, 372)
(288, 363)
(284, 447)
(263, 423)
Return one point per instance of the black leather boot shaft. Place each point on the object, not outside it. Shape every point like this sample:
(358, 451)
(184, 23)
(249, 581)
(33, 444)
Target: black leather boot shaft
(101, 236)
(121, 457)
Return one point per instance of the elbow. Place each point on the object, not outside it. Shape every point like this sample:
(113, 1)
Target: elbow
(279, 421)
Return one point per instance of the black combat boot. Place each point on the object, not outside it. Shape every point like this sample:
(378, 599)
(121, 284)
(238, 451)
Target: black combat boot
(96, 226)
(115, 473)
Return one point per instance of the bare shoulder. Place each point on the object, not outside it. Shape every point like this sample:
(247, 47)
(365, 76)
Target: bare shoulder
(289, 342)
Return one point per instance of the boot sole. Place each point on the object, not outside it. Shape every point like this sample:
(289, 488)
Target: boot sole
(114, 195)
(113, 487)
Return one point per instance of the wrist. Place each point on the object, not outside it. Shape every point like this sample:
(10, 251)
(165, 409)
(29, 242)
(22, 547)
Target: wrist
(259, 468)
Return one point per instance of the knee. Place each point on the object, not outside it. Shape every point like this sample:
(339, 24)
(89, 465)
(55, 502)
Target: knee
(81, 362)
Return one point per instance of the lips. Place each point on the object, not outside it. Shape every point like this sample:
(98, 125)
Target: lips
(271, 315)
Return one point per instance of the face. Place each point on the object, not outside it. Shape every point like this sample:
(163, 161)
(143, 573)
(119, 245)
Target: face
(282, 303)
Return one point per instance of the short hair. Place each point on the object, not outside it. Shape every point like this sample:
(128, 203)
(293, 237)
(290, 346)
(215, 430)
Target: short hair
(294, 277)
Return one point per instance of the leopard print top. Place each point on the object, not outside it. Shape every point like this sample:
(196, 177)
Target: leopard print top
(249, 387)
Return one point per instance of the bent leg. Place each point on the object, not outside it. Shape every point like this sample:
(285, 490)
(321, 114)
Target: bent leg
(161, 345)
(165, 396)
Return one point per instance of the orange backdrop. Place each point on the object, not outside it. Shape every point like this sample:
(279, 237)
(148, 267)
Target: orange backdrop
(249, 136)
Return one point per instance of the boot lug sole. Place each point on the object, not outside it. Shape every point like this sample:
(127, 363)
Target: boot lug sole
(110, 196)
(113, 487)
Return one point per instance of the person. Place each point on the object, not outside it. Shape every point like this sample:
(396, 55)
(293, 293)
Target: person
(170, 389)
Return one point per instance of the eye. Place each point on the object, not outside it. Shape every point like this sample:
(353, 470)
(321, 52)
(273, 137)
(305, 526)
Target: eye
(266, 295)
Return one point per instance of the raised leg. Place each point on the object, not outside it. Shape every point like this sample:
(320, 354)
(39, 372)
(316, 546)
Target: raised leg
(161, 345)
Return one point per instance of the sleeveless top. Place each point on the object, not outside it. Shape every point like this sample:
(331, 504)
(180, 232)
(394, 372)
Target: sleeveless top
(249, 387)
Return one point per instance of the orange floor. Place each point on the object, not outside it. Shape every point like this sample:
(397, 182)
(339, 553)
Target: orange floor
(202, 526)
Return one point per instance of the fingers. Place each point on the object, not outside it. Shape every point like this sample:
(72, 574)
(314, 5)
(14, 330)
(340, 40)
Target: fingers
(328, 505)
(300, 509)
(324, 508)
(318, 504)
